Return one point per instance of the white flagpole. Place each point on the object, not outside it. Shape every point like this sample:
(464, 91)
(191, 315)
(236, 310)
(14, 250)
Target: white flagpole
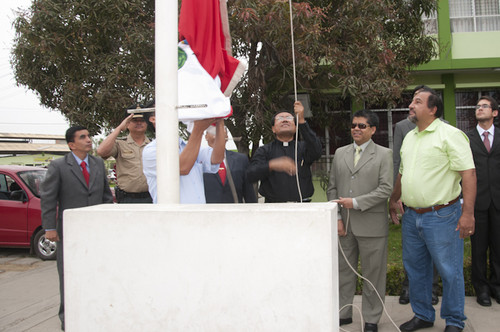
(167, 137)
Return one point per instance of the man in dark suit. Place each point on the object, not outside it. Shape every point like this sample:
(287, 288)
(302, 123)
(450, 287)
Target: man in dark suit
(230, 184)
(75, 180)
(485, 146)
(361, 183)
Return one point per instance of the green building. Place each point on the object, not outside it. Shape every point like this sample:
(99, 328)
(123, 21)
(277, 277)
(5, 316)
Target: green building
(467, 66)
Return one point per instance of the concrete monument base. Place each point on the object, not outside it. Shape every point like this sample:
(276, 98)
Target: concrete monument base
(240, 267)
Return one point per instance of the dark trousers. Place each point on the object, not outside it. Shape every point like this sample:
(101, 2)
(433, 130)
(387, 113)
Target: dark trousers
(486, 249)
(130, 198)
(60, 271)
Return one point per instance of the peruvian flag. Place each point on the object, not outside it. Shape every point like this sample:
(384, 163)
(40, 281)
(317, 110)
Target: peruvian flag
(205, 49)
(207, 33)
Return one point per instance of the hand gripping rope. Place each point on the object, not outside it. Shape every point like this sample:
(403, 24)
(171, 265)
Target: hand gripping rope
(298, 183)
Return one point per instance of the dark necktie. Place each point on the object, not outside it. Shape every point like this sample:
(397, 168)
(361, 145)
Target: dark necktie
(486, 141)
(85, 172)
(222, 172)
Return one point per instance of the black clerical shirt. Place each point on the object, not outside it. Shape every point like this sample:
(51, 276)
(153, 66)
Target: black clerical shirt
(279, 186)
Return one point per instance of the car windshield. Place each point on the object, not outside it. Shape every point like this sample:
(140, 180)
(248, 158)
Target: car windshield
(33, 179)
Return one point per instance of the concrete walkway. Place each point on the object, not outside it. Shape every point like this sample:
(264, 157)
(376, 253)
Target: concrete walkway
(29, 301)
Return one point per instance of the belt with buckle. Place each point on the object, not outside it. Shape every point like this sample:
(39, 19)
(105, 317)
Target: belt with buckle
(144, 194)
(435, 207)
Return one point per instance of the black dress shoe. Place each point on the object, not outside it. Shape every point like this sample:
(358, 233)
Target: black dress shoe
(415, 324)
(371, 327)
(404, 298)
(435, 299)
(483, 299)
(452, 328)
(345, 321)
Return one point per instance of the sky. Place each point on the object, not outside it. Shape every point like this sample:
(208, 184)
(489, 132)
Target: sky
(20, 109)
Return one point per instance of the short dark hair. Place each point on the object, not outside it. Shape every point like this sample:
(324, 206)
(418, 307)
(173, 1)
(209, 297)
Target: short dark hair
(147, 115)
(283, 111)
(434, 99)
(70, 133)
(370, 116)
(493, 102)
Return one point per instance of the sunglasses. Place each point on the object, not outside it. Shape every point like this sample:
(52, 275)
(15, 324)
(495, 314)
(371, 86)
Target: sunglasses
(359, 125)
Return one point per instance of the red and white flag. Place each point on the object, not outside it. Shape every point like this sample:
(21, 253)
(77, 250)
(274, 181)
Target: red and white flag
(206, 32)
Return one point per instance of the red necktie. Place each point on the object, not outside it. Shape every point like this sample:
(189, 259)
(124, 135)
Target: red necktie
(222, 172)
(486, 141)
(85, 172)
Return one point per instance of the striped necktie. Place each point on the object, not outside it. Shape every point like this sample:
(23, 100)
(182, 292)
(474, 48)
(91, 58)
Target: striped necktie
(357, 155)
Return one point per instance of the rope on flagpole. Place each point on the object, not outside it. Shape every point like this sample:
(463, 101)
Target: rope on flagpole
(295, 95)
(293, 52)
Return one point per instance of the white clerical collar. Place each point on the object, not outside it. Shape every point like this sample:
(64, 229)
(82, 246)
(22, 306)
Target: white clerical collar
(285, 144)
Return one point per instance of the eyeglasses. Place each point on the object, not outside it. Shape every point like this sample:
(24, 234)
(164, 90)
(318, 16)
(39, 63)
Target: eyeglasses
(483, 106)
(287, 117)
(360, 125)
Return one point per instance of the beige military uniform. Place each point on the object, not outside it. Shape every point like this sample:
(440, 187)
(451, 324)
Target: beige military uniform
(129, 175)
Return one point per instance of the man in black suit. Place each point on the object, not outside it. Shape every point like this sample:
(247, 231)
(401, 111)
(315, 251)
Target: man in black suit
(73, 181)
(485, 146)
(230, 184)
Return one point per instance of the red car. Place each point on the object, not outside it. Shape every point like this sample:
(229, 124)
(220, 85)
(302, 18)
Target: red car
(20, 214)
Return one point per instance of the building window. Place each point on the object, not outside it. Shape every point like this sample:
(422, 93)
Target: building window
(474, 15)
(430, 23)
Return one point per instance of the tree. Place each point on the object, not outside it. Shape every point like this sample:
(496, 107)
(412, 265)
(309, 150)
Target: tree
(88, 59)
(261, 34)
(91, 58)
(364, 48)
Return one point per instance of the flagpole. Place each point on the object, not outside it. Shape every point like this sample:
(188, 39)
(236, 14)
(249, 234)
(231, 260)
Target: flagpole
(167, 137)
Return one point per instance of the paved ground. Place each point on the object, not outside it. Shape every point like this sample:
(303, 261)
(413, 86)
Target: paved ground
(29, 292)
(29, 301)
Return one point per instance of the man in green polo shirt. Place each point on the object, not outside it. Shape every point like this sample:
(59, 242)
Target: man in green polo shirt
(435, 157)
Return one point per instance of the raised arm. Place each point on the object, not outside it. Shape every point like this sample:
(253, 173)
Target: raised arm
(189, 155)
(105, 148)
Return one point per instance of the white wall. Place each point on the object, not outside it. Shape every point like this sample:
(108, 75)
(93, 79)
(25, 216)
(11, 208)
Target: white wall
(253, 267)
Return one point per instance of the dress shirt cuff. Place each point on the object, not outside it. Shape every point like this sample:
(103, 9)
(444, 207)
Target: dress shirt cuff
(355, 205)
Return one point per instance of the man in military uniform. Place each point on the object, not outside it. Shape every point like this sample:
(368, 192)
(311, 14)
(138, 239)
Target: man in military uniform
(131, 182)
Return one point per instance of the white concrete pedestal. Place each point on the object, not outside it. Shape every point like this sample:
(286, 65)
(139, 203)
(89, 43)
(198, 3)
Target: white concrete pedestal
(240, 267)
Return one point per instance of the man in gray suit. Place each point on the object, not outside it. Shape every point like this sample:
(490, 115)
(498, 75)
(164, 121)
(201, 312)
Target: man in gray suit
(75, 180)
(400, 130)
(361, 181)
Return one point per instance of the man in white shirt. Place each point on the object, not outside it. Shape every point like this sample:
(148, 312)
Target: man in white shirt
(194, 160)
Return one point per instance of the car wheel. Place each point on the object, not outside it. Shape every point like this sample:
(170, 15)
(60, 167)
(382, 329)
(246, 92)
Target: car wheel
(44, 249)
